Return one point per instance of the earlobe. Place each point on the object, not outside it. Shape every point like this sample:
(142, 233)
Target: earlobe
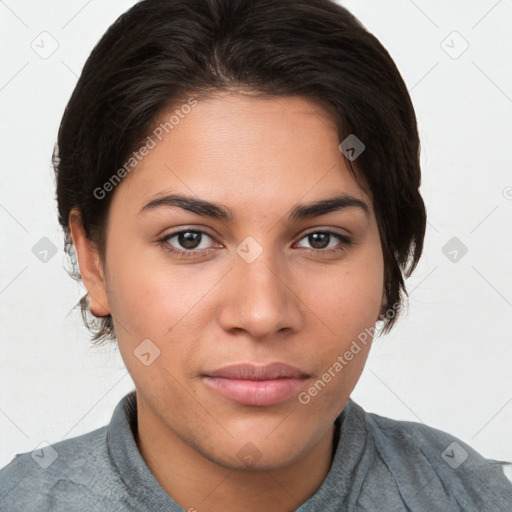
(91, 268)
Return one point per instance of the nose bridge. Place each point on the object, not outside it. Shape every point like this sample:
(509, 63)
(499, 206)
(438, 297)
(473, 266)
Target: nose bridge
(261, 302)
(261, 277)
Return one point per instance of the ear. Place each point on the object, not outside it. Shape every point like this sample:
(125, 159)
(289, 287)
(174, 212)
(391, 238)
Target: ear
(91, 268)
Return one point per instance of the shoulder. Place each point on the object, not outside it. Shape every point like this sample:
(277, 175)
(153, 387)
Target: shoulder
(59, 476)
(410, 449)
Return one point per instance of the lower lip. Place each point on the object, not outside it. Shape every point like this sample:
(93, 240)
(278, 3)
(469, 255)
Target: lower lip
(256, 392)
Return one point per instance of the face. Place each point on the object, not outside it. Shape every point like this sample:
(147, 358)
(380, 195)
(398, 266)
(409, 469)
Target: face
(255, 280)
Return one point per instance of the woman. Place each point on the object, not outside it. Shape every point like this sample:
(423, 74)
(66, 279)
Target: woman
(240, 183)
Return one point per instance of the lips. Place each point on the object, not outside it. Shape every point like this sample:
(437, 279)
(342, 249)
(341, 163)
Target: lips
(257, 385)
(255, 372)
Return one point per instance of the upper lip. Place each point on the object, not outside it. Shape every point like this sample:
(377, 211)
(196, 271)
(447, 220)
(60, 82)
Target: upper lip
(250, 371)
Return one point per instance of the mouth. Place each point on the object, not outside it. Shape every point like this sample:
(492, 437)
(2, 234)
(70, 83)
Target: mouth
(257, 385)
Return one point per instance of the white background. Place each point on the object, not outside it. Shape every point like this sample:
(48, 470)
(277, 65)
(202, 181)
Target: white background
(447, 362)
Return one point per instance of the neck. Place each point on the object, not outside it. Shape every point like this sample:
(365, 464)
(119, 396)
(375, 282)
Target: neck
(198, 484)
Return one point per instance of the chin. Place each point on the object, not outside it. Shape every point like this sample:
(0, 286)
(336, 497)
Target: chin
(258, 452)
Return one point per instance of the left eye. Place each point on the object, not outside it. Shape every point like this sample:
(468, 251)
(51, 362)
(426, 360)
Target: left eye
(320, 240)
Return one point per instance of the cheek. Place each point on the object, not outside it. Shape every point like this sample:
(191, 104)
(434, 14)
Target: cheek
(152, 299)
(149, 296)
(347, 298)
(158, 303)
(349, 311)
(347, 301)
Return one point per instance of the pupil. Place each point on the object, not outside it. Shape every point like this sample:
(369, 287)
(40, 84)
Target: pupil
(189, 239)
(319, 240)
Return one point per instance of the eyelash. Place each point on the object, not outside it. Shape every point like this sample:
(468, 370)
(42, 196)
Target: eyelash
(345, 241)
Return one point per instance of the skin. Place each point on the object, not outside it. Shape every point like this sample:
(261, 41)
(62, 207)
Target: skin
(293, 304)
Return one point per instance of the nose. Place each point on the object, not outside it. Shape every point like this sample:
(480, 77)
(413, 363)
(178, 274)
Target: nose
(260, 298)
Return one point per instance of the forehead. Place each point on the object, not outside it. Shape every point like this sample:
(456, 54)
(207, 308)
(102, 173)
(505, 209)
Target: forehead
(243, 151)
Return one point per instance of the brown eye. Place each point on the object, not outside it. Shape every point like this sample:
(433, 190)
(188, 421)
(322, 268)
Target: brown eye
(189, 239)
(186, 243)
(327, 241)
(319, 240)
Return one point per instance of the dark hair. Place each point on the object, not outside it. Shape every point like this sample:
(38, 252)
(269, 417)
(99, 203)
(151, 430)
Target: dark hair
(161, 52)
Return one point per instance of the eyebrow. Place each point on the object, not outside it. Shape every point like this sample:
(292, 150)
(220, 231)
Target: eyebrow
(221, 212)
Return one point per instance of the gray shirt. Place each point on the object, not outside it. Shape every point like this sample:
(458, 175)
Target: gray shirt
(379, 464)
